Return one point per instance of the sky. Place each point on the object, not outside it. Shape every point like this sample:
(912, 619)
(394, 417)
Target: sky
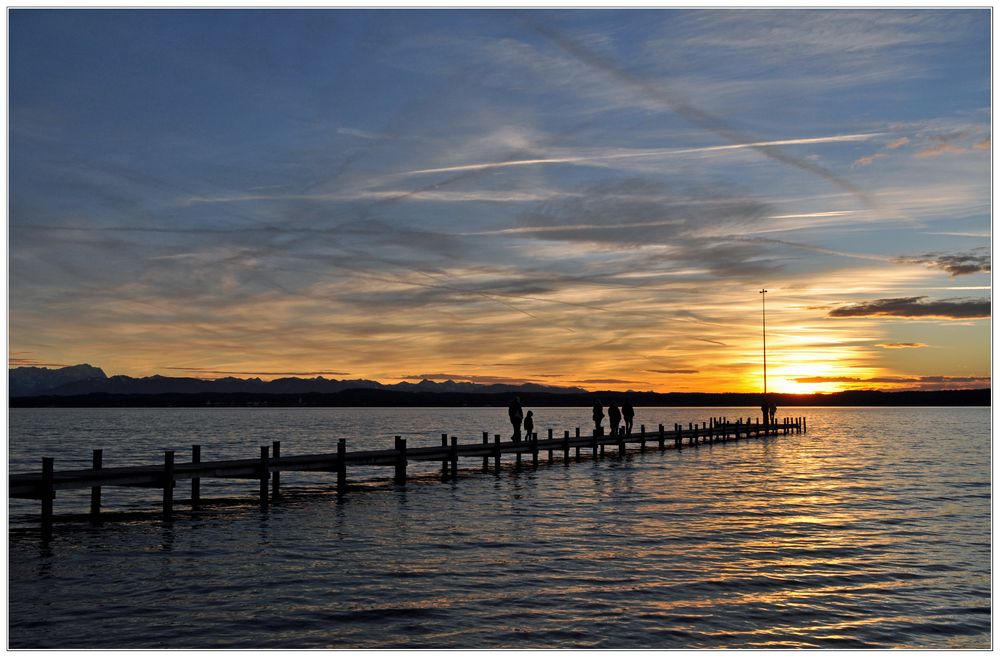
(586, 198)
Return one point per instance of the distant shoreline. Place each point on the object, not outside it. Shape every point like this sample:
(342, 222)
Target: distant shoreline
(383, 398)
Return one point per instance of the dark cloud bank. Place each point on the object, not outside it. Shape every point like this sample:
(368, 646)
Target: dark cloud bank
(916, 307)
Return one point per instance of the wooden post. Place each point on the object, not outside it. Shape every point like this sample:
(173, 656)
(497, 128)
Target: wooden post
(577, 455)
(496, 454)
(804, 425)
(534, 449)
(593, 444)
(550, 446)
(195, 482)
(454, 457)
(679, 439)
(48, 494)
(342, 467)
(486, 458)
(621, 444)
(95, 492)
(400, 460)
(276, 476)
(265, 476)
(444, 459)
(642, 438)
(660, 437)
(565, 447)
(168, 484)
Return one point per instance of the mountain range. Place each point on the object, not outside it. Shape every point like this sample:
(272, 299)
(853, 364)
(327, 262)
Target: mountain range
(85, 379)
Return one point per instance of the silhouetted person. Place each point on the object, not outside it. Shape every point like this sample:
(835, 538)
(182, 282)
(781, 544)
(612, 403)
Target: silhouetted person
(774, 410)
(529, 425)
(765, 411)
(516, 415)
(598, 417)
(614, 418)
(628, 413)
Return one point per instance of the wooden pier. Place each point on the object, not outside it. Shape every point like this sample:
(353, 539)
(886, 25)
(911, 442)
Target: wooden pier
(270, 463)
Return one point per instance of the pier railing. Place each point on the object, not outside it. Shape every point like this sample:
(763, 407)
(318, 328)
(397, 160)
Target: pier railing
(270, 463)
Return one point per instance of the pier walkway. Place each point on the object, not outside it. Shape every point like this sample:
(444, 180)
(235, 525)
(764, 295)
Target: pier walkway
(268, 466)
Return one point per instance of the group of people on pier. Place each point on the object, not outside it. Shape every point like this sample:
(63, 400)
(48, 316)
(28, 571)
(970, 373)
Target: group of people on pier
(768, 410)
(615, 416)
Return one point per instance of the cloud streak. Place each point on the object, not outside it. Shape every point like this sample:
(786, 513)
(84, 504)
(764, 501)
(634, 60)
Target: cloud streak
(272, 373)
(932, 379)
(674, 372)
(476, 379)
(955, 264)
(646, 153)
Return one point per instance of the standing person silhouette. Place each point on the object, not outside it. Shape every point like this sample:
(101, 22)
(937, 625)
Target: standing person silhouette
(765, 411)
(614, 417)
(529, 426)
(774, 410)
(598, 417)
(516, 415)
(628, 413)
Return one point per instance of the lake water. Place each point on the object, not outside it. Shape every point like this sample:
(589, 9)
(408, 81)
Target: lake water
(870, 530)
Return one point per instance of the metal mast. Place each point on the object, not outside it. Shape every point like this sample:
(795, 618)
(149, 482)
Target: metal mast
(763, 334)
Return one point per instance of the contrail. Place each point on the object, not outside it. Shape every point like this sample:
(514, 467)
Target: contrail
(690, 113)
(809, 247)
(649, 153)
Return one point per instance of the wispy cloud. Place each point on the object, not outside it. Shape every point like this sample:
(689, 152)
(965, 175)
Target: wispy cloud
(16, 362)
(932, 379)
(271, 373)
(674, 372)
(954, 264)
(900, 346)
(355, 132)
(476, 379)
(939, 149)
(866, 160)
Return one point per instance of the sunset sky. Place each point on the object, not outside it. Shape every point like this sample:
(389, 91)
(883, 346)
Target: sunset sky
(587, 198)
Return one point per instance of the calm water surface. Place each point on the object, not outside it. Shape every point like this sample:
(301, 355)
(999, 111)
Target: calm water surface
(871, 530)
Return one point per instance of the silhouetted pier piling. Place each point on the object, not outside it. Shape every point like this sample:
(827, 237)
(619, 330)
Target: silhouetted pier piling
(267, 467)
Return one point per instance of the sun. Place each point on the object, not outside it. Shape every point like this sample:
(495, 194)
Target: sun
(784, 385)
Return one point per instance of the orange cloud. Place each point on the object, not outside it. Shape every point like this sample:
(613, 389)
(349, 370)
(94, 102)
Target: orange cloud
(868, 159)
(940, 149)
